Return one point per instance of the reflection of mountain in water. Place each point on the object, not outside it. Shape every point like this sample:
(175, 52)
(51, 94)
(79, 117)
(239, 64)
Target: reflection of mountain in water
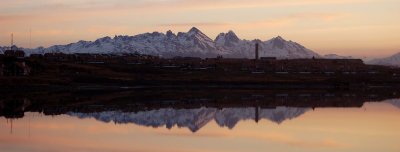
(394, 102)
(194, 119)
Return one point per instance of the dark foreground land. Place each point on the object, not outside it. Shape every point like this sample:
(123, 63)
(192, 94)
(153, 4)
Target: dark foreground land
(278, 74)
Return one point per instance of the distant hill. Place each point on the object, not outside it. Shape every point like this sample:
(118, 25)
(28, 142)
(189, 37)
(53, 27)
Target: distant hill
(393, 60)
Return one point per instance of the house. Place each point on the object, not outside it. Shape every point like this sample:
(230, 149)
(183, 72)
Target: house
(97, 58)
(268, 58)
(132, 60)
(16, 69)
(14, 53)
(91, 58)
(187, 62)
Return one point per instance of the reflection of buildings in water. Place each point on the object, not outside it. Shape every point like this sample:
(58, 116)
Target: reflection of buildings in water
(194, 119)
(14, 108)
(187, 109)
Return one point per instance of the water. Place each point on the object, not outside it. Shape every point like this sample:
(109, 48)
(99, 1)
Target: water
(343, 121)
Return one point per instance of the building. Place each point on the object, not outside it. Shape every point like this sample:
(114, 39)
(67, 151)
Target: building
(14, 53)
(16, 69)
(37, 56)
(91, 58)
(57, 56)
(268, 58)
(132, 60)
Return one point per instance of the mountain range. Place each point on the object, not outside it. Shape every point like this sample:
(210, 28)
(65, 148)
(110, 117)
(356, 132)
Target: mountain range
(193, 43)
(194, 119)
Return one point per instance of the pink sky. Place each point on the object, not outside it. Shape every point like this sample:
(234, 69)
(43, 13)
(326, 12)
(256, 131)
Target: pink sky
(359, 28)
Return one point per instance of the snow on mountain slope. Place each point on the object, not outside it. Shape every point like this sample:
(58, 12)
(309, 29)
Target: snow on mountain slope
(286, 49)
(393, 60)
(394, 102)
(193, 43)
(335, 56)
(276, 47)
(194, 119)
(4, 48)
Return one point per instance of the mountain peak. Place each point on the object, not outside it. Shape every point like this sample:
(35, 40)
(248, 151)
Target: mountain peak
(227, 39)
(169, 33)
(279, 38)
(278, 42)
(231, 32)
(232, 35)
(194, 30)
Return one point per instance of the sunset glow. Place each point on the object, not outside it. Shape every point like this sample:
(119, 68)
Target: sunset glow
(361, 28)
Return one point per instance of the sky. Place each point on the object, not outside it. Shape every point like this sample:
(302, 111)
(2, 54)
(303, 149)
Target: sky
(371, 128)
(359, 28)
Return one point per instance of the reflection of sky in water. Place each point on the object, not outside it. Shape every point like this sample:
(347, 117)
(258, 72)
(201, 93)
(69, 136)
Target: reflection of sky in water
(374, 127)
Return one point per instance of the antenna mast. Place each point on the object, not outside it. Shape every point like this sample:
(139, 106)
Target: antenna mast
(12, 41)
(30, 37)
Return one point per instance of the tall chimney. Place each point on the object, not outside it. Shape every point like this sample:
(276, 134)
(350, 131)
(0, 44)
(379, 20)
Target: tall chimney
(12, 41)
(256, 51)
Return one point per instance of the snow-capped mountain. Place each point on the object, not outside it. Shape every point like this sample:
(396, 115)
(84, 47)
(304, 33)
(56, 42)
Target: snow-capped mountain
(393, 60)
(394, 102)
(193, 43)
(194, 119)
(4, 48)
(276, 47)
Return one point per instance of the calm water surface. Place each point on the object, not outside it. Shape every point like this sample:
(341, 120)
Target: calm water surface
(372, 127)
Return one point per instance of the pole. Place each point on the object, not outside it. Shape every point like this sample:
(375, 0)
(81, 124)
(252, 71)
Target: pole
(30, 37)
(256, 51)
(12, 41)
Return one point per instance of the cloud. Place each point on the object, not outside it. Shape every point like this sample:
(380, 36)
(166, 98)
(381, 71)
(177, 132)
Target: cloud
(319, 15)
(224, 4)
(196, 24)
(289, 140)
(274, 22)
(290, 20)
(43, 33)
(98, 29)
(13, 18)
(197, 134)
(71, 6)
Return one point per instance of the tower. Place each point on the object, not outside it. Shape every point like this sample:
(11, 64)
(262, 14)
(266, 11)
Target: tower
(30, 38)
(12, 41)
(256, 51)
(256, 118)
